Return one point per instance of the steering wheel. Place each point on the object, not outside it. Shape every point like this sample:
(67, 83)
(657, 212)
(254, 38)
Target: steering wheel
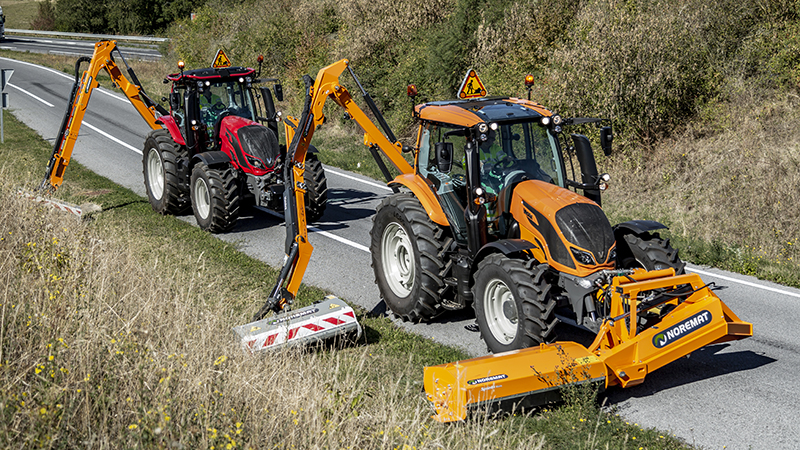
(218, 107)
(218, 121)
(502, 167)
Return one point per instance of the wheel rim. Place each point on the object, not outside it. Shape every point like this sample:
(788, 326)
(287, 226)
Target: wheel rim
(397, 256)
(202, 198)
(500, 309)
(155, 174)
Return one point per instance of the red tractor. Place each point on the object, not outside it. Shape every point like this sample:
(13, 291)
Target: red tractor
(219, 149)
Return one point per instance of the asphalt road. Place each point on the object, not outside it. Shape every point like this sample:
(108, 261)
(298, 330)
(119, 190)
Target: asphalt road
(737, 395)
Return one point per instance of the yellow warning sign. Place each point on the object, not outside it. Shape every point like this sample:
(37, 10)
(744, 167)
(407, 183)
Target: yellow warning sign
(221, 60)
(472, 86)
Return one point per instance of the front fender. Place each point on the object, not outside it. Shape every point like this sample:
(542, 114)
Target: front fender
(424, 194)
(638, 227)
(508, 247)
(211, 158)
(171, 126)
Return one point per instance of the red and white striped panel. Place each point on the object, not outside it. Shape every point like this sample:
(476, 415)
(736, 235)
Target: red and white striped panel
(72, 209)
(313, 323)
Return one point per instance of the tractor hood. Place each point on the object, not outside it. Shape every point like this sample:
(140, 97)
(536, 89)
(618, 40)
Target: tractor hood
(571, 232)
(251, 145)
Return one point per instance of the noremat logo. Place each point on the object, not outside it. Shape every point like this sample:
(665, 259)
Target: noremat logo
(680, 330)
(487, 379)
(296, 315)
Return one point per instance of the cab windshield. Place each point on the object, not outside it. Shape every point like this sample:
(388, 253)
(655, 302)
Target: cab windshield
(519, 151)
(230, 97)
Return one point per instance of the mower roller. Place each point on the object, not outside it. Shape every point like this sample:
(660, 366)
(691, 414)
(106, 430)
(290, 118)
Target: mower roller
(624, 351)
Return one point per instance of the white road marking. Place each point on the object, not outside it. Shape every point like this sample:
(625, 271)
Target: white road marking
(71, 78)
(350, 177)
(746, 283)
(314, 229)
(118, 141)
(34, 96)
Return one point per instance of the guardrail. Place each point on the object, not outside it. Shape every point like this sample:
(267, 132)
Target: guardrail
(96, 37)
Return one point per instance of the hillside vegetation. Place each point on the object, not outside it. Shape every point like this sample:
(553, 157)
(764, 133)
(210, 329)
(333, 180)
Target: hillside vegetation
(703, 95)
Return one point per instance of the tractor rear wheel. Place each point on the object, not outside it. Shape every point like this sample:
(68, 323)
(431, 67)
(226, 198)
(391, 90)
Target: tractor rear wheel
(649, 252)
(316, 188)
(408, 258)
(162, 161)
(513, 305)
(215, 198)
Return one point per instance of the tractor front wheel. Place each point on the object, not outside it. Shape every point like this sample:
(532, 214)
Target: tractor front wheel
(162, 161)
(513, 305)
(215, 198)
(648, 251)
(407, 258)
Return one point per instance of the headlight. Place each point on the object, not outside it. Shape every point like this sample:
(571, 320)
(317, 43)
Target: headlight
(483, 128)
(557, 120)
(545, 121)
(254, 162)
(582, 257)
(613, 255)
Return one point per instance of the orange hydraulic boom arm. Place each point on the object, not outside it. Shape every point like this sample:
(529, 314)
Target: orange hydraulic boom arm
(299, 134)
(79, 100)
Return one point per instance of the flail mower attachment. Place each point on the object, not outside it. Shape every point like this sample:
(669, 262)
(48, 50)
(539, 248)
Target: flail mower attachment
(623, 352)
(313, 324)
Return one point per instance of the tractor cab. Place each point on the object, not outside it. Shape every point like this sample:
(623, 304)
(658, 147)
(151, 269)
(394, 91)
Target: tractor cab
(510, 140)
(200, 98)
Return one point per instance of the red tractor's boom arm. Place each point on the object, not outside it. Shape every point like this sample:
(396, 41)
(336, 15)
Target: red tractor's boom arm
(79, 100)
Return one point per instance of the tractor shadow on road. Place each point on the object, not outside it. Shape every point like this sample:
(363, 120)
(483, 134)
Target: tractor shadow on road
(338, 212)
(345, 205)
(703, 364)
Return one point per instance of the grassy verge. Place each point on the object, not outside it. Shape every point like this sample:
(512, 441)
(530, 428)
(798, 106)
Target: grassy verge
(116, 333)
(20, 13)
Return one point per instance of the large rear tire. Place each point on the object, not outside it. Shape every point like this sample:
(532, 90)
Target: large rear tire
(513, 305)
(316, 188)
(649, 252)
(215, 198)
(162, 161)
(408, 258)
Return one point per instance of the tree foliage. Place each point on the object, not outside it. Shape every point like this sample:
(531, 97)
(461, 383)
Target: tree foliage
(121, 16)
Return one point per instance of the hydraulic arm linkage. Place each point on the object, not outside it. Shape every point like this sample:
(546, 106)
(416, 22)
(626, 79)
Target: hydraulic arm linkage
(102, 58)
(299, 133)
(624, 351)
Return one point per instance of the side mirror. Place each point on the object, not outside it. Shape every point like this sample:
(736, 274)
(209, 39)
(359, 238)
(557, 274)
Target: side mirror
(174, 100)
(278, 88)
(444, 156)
(606, 137)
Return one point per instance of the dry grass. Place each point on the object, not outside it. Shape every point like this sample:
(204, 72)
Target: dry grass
(732, 180)
(102, 348)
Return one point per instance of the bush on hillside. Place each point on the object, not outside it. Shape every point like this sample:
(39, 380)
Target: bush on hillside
(120, 16)
(45, 18)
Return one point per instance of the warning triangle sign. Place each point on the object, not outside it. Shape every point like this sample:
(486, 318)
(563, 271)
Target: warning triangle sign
(221, 60)
(472, 86)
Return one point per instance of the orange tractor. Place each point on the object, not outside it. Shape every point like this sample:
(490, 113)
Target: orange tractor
(483, 216)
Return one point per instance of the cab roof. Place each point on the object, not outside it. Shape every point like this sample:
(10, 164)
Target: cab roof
(211, 74)
(468, 113)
